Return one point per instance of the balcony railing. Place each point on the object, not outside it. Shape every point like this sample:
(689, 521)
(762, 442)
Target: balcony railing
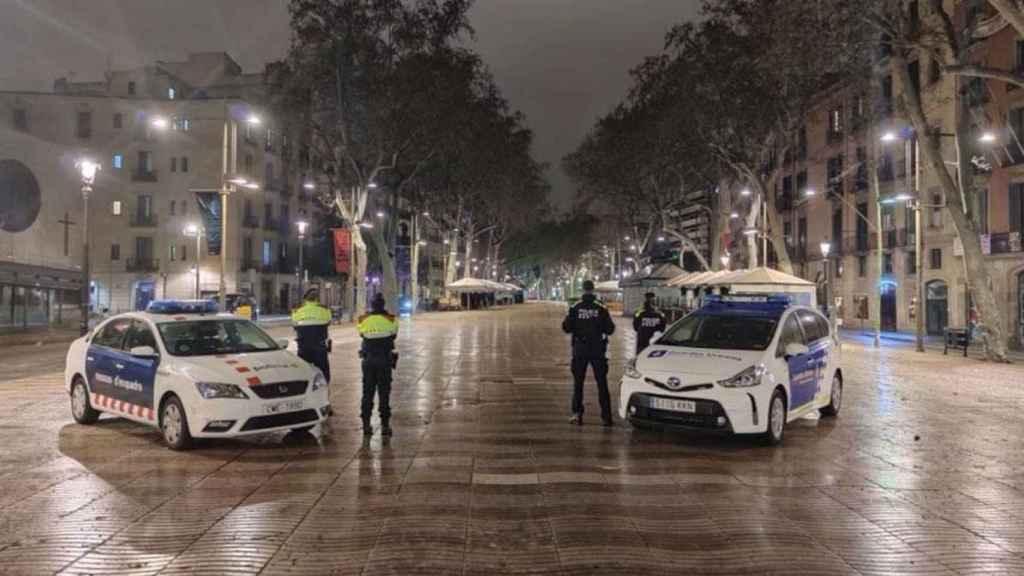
(859, 244)
(144, 176)
(270, 223)
(250, 221)
(144, 221)
(142, 265)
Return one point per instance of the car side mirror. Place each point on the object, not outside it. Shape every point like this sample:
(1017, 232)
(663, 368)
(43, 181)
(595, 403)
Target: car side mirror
(143, 352)
(794, 349)
(282, 343)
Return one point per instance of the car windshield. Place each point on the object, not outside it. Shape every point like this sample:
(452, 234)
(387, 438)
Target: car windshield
(726, 332)
(208, 337)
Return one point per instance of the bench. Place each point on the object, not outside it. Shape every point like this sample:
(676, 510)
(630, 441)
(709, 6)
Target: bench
(957, 338)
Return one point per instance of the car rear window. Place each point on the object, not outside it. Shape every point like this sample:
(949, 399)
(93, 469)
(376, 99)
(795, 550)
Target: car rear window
(728, 332)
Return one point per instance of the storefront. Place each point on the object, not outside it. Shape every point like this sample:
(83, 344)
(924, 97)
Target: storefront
(37, 297)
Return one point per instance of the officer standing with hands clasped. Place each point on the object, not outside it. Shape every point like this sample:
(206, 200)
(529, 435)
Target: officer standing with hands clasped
(590, 325)
(311, 321)
(647, 321)
(378, 330)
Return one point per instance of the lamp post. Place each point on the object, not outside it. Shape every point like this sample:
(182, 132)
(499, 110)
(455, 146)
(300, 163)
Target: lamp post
(724, 258)
(826, 248)
(193, 230)
(87, 169)
(302, 225)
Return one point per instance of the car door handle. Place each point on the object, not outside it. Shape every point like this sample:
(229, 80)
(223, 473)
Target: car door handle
(89, 359)
(119, 366)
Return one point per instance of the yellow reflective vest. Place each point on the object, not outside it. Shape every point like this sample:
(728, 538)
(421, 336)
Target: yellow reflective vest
(374, 326)
(311, 314)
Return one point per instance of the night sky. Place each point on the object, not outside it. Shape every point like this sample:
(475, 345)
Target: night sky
(562, 62)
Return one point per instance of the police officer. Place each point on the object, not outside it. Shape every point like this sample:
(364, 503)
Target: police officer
(646, 322)
(311, 321)
(590, 325)
(378, 330)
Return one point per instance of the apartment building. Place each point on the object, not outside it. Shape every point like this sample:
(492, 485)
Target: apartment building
(161, 133)
(823, 192)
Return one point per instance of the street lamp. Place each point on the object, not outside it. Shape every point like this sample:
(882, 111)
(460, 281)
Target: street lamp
(826, 248)
(302, 225)
(193, 230)
(724, 258)
(87, 170)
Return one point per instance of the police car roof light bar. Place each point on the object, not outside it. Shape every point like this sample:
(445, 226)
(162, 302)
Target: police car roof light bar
(182, 307)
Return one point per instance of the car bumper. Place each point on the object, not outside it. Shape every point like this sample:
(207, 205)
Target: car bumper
(716, 409)
(233, 418)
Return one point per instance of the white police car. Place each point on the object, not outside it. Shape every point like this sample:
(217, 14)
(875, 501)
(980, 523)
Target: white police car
(193, 374)
(742, 364)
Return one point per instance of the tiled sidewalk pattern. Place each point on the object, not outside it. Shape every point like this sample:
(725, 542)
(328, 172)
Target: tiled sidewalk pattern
(923, 473)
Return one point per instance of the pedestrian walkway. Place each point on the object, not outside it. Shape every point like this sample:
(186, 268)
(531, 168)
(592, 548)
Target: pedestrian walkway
(931, 343)
(920, 474)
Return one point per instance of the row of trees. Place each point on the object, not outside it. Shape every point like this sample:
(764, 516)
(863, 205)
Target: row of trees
(723, 107)
(397, 118)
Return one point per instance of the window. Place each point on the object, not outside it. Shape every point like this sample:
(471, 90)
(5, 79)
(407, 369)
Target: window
(83, 126)
(248, 163)
(983, 210)
(184, 252)
(115, 208)
(174, 164)
(887, 264)
(247, 252)
(269, 145)
(888, 221)
(801, 184)
(112, 335)
(812, 328)
(1017, 207)
(862, 168)
(173, 206)
(728, 332)
(145, 165)
(171, 93)
(860, 305)
(209, 337)
(862, 227)
(935, 259)
(935, 216)
(791, 334)
(181, 124)
(184, 163)
(144, 207)
(268, 253)
(131, 88)
(801, 240)
(835, 124)
(117, 162)
(20, 119)
(911, 263)
(172, 252)
(802, 144)
(837, 227)
(835, 175)
(115, 251)
(139, 335)
(118, 121)
(787, 232)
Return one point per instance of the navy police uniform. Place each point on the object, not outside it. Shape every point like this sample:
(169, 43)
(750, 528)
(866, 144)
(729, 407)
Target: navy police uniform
(378, 330)
(646, 322)
(590, 325)
(311, 321)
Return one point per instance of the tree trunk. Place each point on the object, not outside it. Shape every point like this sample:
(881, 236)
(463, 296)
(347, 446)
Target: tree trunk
(389, 280)
(467, 264)
(359, 274)
(453, 258)
(688, 244)
(753, 247)
(980, 281)
(775, 231)
(716, 225)
(414, 265)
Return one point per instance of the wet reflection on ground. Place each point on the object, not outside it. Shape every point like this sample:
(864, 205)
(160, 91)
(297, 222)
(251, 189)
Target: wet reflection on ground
(922, 474)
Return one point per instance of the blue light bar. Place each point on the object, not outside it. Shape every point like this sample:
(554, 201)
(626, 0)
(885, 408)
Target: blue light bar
(756, 304)
(182, 307)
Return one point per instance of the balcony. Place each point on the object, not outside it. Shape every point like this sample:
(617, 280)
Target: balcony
(270, 223)
(859, 243)
(144, 176)
(1006, 243)
(249, 264)
(142, 265)
(144, 221)
(250, 220)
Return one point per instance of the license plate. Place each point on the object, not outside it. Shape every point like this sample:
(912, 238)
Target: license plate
(282, 407)
(674, 405)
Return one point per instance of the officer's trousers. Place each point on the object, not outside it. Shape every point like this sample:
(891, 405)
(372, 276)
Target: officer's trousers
(317, 356)
(579, 373)
(376, 380)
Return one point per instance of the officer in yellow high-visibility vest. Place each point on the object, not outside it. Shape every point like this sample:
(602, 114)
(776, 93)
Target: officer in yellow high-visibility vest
(311, 321)
(378, 330)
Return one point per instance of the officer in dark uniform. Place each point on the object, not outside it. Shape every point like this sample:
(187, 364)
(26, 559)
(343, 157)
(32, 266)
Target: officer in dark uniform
(590, 325)
(378, 330)
(646, 322)
(311, 321)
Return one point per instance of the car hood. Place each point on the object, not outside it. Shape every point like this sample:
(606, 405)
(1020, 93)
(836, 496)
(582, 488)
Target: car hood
(246, 369)
(706, 364)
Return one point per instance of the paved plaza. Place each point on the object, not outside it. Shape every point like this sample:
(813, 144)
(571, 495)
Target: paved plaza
(922, 473)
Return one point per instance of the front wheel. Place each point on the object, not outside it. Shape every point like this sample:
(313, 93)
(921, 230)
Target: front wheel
(776, 419)
(81, 408)
(174, 425)
(835, 398)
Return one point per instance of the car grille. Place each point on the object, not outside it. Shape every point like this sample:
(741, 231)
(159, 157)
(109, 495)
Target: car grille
(706, 416)
(280, 389)
(277, 420)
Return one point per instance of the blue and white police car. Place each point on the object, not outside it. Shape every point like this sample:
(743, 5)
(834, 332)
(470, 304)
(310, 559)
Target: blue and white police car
(192, 373)
(740, 364)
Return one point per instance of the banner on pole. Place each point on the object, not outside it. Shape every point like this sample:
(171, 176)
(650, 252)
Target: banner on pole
(342, 250)
(210, 208)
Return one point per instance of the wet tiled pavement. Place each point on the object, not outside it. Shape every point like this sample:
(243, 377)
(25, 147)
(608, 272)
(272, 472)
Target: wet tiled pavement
(923, 473)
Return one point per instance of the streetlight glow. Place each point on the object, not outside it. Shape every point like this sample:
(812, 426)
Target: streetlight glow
(826, 247)
(889, 137)
(254, 120)
(88, 169)
(810, 192)
(734, 216)
(745, 192)
(191, 229)
(252, 186)
(302, 225)
(987, 137)
(159, 122)
(367, 225)
(380, 214)
(724, 258)
(309, 186)
(750, 232)
(372, 185)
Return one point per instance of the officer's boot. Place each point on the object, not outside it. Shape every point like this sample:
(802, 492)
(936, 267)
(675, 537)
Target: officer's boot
(385, 427)
(367, 429)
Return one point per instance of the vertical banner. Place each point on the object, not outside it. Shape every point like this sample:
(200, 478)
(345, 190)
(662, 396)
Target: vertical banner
(209, 207)
(342, 250)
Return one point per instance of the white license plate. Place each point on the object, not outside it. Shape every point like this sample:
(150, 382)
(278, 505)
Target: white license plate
(674, 405)
(282, 407)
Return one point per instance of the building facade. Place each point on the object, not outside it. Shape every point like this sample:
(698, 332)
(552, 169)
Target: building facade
(161, 133)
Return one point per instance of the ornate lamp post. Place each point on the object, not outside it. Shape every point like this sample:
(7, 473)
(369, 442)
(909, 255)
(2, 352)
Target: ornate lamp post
(87, 170)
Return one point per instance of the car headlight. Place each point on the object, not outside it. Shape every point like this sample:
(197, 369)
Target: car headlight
(210, 390)
(749, 377)
(631, 371)
(318, 382)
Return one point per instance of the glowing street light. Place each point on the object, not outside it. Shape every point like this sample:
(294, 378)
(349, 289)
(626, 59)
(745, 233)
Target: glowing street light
(745, 192)
(380, 214)
(810, 192)
(889, 137)
(724, 258)
(826, 247)
(87, 170)
(253, 120)
(987, 137)
(309, 185)
(159, 122)
(734, 216)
